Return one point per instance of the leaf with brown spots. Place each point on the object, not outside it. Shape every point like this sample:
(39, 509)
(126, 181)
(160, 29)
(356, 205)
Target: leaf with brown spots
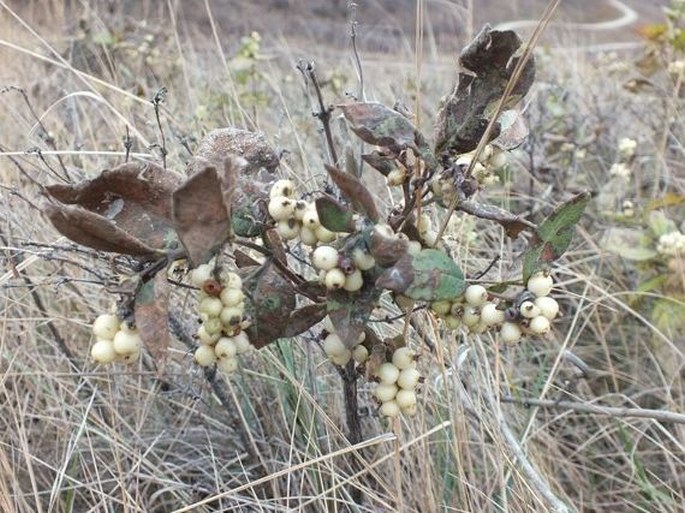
(379, 125)
(386, 250)
(152, 317)
(350, 313)
(304, 318)
(355, 192)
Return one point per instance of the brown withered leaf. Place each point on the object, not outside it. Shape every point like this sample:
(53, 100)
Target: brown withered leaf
(379, 125)
(135, 198)
(386, 250)
(152, 315)
(94, 231)
(225, 142)
(269, 302)
(512, 224)
(381, 162)
(355, 192)
(276, 246)
(350, 313)
(490, 60)
(513, 132)
(200, 216)
(304, 318)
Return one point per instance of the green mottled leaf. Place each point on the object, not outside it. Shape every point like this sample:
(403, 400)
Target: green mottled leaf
(430, 275)
(554, 234)
(333, 215)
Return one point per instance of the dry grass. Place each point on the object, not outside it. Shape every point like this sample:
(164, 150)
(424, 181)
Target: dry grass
(78, 437)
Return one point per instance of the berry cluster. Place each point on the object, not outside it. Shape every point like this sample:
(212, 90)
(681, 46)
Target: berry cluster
(339, 354)
(531, 314)
(296, 218)
(397, 382)
(222, 313)
(340, 271)
(116, 340)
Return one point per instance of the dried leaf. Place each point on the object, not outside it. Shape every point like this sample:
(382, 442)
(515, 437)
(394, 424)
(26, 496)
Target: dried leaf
(269, 301)
(225, 142)
(490, 59)
(513, 130)
(512, 224)
(430, 275)
(304, 318)
(94, 231)
(350, 313)
(386, 250)
(152, 316)
(377, 124)
(355, 192)
(134, 198)
(381, 162)
(554, 235)
(200, 216)
(243, 260)
(334, 216)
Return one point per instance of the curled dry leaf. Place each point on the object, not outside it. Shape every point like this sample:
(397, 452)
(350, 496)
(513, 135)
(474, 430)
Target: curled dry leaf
(304, 318)
(350, 313)
(380, 161)
(377, 124)
(152, 316)
(490, 60)
(355, 192)
(386, 250)
(125, 210)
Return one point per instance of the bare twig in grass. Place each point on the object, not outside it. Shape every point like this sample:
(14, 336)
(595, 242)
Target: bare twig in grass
(324, 113)
(158, 99)
(597, 409)
(128, 144)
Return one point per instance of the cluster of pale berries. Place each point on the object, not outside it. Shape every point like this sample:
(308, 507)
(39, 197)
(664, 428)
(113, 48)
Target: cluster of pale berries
(340, 271)
(490, 160)
(397, 382)
(116, 340)
(671, 244)
(339, 354)
(296, 218)
(221, 308)
(478, 313)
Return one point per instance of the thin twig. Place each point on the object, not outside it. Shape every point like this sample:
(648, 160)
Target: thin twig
(157, 100)
(324, 113)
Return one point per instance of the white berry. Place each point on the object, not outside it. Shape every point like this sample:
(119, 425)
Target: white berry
(476, 295)
(408, 378)
(540, 284)
(360, 354)
(310, 219)
(106, 326)
(242, 342)
(230, 280)
(333, 345)
(385, 392)
(103, 351)
(300, 209)
(362, 259)
(324, 234)
(441, 307)
(282, 188)
(281, 208)
(227, 365)
(490, 315)
(387, 373)
(342, 359)
(354, 281)
(308, 237)
(231, 297)
(334, 279)
(213, 325)
(210, 306)
(225, 348)
(289, 229)
(540, 325)
(325, 258)
(126, 342)
(510, 333)
(201, 274)
(529, 310)
(471, 316)
(403, 358)
(390, 409)
(548, 306)
(405, 399)
(206, 338)
(205, 356)
(231, 315)
(452, 322)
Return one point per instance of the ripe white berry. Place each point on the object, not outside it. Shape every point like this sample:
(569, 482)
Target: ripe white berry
(333, 345)
(106, 326)
(325, 258)
(242, 342)
(205, 338)
(201, 274)
(498, 159)
(354, 281)
(385, 392)
(540, 284)
(103, 351)
(476, 295)
(231, 315)
(408, 378)
(213, 325)
(225, 348)
(529, 310)
(227, 365)
(289, 229)
(231, 297)
(310, 219)
(324, 234)
(540, 325)
(403, 358)
(397, 177)
(414, 247)
(510, 333)
(125, 342)
(410, 410)
(471, 316)
(205, 356)
(362, 259)
(300, 209)
(405, 398)
(230, 280)
(452, 322)
(548, 306)
(281, 208)
(430, 238)
(360, 354)
(342, 359)
(308, 237)
(282, 188)
(424, 223)
(210, 306)
(334, 279)
(490, 315)
(441, 307)
(387, 373)
(389, 409)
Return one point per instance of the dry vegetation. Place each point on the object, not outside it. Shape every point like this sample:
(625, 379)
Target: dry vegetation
(78, 437)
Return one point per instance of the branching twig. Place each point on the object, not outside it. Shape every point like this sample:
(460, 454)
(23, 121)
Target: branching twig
(324, 113)
(157, 100)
